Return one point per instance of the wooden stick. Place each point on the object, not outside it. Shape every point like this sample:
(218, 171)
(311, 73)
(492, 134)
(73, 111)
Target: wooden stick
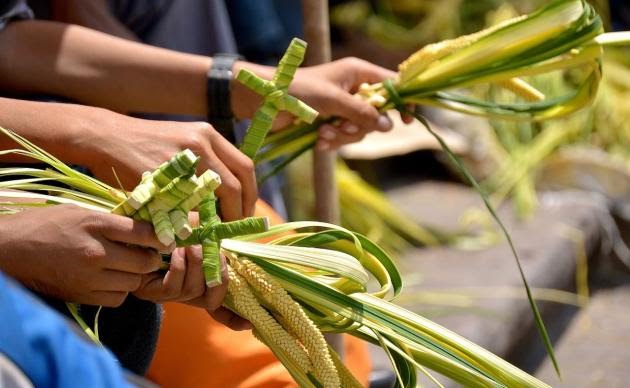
(317, 35)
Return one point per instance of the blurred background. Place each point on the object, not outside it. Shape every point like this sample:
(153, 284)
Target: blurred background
(563, 188)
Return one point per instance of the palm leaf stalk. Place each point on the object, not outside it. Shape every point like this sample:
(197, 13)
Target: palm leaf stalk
(603, 126)
(300, 285)
(566, 34)
(516, 173)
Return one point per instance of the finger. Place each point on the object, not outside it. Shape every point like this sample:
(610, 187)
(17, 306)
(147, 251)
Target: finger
(131, 259)
(369, 72)
(170, 288)
(332, 138)
(214, 296)
(193, 219)
(408, 119)
(148, 286)
(243, 168)
(359, 112)
(126, 230)
(194, 284)
(117, 281)
(230, 319)
(349, 128)
(283, 119)
(229, 192)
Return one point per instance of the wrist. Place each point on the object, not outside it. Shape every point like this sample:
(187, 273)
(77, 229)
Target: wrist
(90, 129)
(9, 260)
(218, 94)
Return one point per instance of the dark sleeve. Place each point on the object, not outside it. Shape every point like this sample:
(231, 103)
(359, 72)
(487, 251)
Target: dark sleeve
(13, 10)
(620, 14)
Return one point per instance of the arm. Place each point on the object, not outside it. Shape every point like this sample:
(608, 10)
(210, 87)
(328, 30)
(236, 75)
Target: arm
(77, 255)
(101, 70)
(184, 283)
(86, 257)
(102, 140)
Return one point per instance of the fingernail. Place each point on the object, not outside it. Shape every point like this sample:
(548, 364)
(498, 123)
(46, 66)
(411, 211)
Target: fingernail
(323, 146)
(329, 135)
(384, 123)
(352, 129)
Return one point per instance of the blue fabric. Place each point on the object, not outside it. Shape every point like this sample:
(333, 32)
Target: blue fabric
(265, 42)
(130, 331)
(43, 346)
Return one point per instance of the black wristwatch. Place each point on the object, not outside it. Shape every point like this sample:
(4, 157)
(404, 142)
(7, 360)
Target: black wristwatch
(218, 92)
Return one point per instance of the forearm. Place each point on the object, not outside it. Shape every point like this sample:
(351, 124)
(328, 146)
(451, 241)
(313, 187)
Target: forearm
(9, 263)
(101, 70)
(97, 69)
(53, 126)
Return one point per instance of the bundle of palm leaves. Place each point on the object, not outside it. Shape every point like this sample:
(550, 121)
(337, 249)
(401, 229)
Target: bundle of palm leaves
(597, 140)
(565, 35)
(293, 288)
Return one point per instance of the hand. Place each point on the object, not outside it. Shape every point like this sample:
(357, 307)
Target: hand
(78, 255)
(184, 282)
(329, 89)
(131, 146)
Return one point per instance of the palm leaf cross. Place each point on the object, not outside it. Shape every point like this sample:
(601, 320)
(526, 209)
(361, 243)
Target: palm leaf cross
(275, 97)
(210, 233)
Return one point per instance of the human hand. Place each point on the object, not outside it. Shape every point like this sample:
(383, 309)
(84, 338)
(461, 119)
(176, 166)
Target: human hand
(131, 146)
(78, 255)
(184, 282)
(329, 89)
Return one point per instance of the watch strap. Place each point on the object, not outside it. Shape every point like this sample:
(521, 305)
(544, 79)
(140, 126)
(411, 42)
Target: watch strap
(218, 92)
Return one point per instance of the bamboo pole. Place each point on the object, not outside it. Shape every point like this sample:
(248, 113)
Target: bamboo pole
(317, 35)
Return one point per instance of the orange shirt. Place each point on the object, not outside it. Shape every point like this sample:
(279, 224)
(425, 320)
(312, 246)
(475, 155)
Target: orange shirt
(195, 351)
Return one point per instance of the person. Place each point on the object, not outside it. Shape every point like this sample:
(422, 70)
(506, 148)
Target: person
(42, 57)
(208, 28)
(38, 348)
(620, 15)
(100, 140)
(55, 59)
(178, 26)
(82, 256)
(65, 253)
